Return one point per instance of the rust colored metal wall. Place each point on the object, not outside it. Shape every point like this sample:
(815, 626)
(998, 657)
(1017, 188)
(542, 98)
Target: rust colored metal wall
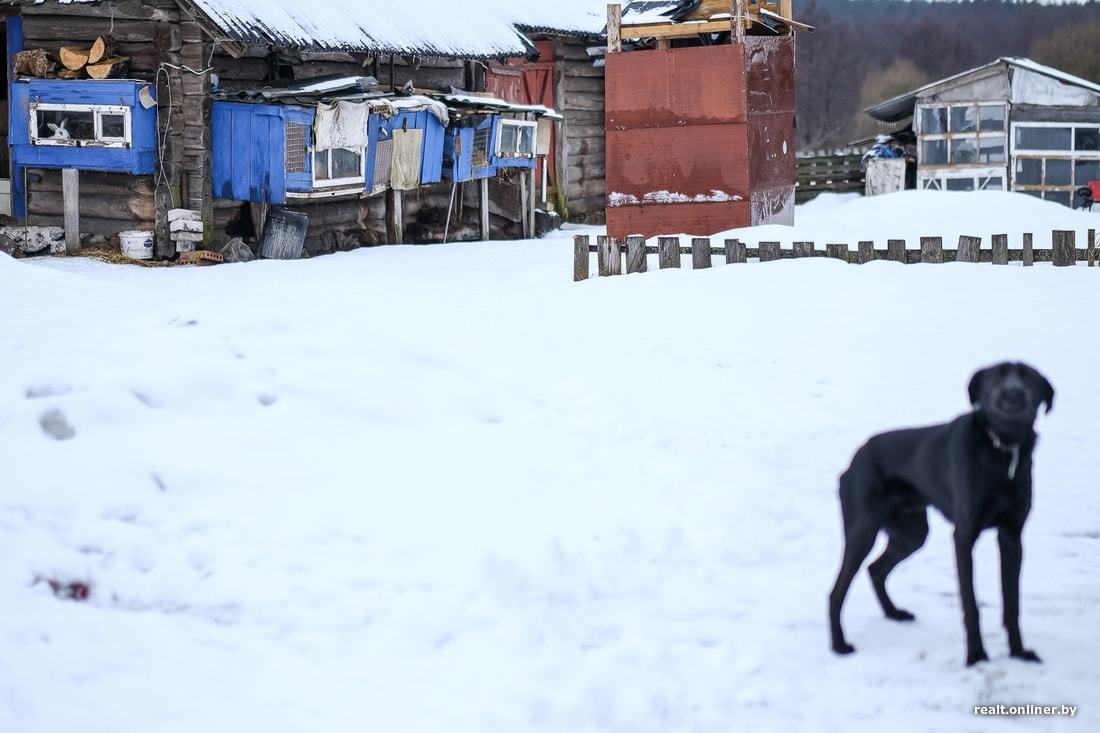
(699, 140)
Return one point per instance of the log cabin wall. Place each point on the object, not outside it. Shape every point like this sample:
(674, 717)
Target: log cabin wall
(579, 94)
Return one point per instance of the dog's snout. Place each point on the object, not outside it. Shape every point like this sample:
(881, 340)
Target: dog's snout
(1014, 395)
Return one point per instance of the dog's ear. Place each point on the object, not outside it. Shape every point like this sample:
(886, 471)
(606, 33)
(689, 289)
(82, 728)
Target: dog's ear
(1042, 386)
(975, 388)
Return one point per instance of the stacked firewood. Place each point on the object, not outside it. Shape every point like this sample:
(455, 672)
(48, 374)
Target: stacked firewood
(96, 62)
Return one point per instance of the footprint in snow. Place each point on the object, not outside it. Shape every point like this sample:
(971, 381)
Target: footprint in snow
(38, 391)
(56, 425)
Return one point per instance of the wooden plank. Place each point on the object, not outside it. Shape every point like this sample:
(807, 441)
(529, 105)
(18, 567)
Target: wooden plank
(769, 251)
(580, 257)
(736, 252)
(70, 191)
(614, 28)
(1063, 247)
(737, 21)
(1090, 252)
(531, 195)
(615, 256)
(672, 30)
(895, 250)
(700, 253)
(837, 251)
(803, 249)
(483, 208)
(969, 248)
(524, 222)
(931, 249)
(1029, 252)
(635, 254)
(866, 252)
(668, 251)
(395, 217)
(1000, 249)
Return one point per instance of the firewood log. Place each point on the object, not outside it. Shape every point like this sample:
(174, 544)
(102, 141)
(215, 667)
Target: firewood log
(100, 50)
(33, 62)
(73, 58)
(71, 74)
(112, 68)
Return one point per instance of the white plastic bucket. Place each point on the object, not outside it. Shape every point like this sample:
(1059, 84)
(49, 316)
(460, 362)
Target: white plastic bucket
(137, 244)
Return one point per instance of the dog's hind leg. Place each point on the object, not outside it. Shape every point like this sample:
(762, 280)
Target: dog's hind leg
(857, 544)
(907, 528)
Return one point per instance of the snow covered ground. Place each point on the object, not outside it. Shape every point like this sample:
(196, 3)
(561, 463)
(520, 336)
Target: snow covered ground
(447, 489)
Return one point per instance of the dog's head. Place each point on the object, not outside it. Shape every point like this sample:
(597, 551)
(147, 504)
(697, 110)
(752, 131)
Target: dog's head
(1009, 395)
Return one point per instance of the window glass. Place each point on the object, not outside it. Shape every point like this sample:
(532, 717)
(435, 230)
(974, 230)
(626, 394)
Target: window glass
(320, 165)
(991, 148)
(960, 184)
(1057, 172)
(1062, 197)
(1086, 138)
(1043, 138)
(527, 140)
(1036, 194)
(934, 152)
(993, 183)
(932, 184)
(933, 120)
(507, 139)
(991, 117)
(113, 126)
(964, 119)
(346, 163)
(66, 124)
(1085, 171)
(963, 150)
(1029, 171)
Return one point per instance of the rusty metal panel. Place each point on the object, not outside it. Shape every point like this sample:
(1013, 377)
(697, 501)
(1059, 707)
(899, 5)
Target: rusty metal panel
(705, 160)
(771, 146)
(702, 219)
(769, 74)
(675, 87)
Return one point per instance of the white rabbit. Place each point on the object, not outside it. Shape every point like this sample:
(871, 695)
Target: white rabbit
(59, 131)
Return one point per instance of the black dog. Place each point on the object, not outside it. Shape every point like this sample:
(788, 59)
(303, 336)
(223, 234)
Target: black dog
(975, 469)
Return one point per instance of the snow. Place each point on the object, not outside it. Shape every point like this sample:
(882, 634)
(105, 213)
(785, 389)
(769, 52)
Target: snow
(617, 198)
(588, 17)
(429, 488)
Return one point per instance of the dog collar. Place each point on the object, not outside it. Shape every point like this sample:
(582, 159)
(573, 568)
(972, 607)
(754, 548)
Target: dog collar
(1013, 448)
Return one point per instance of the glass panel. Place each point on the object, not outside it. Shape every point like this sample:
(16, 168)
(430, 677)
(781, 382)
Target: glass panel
(508, 139)
(933, 152)
(933, 120)
(960, 184)
(1086, 138)
(527, 140)
(964, 119)
(1085, 171)
(991, 148)
(346, 163)
(112, 126)
(320, 165)
(1042, 138)
(1036, 194)
(66, 125)
(993, 183)
(963, 150)
(1065, 198)
(931, 184)
(992, 118)
(1029, 171)
(1057, 172)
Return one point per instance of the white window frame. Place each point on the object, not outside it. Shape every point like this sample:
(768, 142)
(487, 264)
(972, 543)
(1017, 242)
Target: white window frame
(520, 124)
(979, 176)
(349, 182)
(1070, 154)
(975, 135)
(97, 110)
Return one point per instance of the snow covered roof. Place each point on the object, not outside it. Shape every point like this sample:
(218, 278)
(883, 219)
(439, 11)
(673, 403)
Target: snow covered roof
(901, 106)
(436, 28)
(573, 17)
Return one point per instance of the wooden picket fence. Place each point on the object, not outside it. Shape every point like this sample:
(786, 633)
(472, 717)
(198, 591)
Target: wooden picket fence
(609, 252)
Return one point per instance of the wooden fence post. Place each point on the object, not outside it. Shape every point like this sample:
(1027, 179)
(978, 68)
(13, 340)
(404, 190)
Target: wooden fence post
(802, 249)
(736, 251)
(580, 257)
(895, 250)
(603, 255)
(769, 251)
(1063, 247)
(931, 249)
(615, 256)
(837, 251)
(1090, 252)
(70, 196)
(700, 253)
(1000, 249)
(1029, 252)
(969, 249)
(668, 251)
(635, 254)
(866, 252)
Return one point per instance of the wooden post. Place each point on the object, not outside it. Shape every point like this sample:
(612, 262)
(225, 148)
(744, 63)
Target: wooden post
(580, 257)
(700, 253)
(70, 195)
(735, 252)
(1000, 249)
(1063, 247)
(395, 217)
(1090, 252)
(603, 255)
(483, 207)
(668, 251)
(524, 224)
(931, 249)
(866, 252)
(614, 27)
(635, 254)
(531, 201)
(837, 251)
(802, 249)
(895, 250)
(969, 249)
(769, 251)
(737, 18)
(1029, 252)
(615, 256)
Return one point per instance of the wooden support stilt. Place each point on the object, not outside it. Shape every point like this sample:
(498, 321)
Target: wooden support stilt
(70, 193)
(483, 207)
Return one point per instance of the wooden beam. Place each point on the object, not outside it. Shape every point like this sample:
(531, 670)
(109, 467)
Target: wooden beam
(737, 18)
(614, 28)
(70, 191)
(672, 30)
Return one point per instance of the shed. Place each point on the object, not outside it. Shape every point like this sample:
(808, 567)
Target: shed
(1012, 124)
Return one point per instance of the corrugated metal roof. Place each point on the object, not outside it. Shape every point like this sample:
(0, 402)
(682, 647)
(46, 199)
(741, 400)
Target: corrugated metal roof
(436, 28)
(571, 17)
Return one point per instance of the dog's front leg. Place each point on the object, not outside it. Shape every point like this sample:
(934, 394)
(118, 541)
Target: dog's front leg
(1008, 537)
(964, 560)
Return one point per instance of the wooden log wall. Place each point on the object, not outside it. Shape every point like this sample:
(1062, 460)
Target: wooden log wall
(579, 96)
